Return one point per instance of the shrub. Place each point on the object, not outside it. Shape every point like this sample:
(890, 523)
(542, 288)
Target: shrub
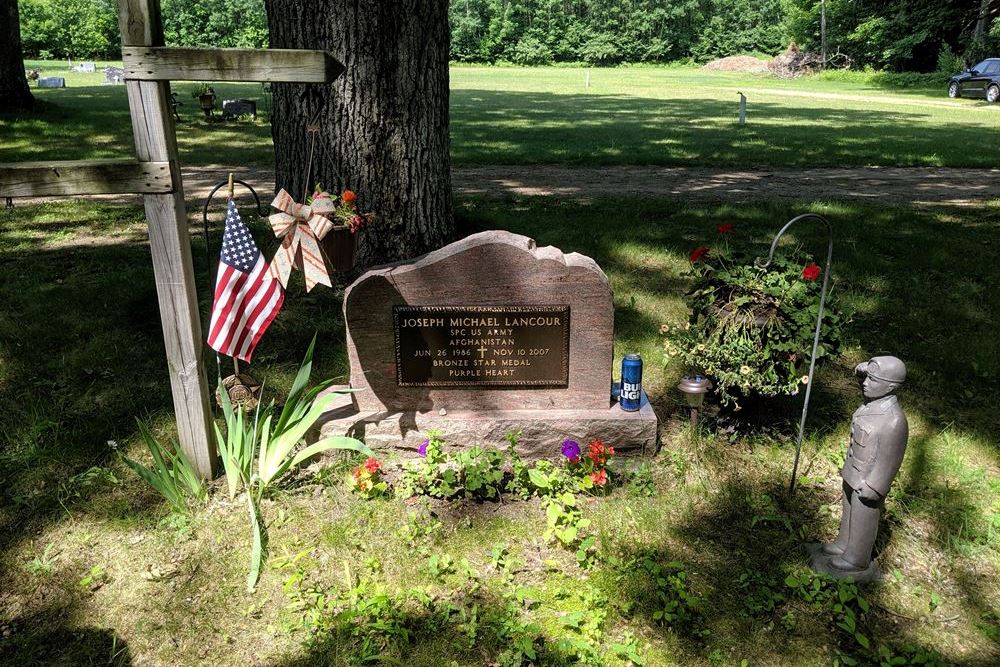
(948, 61)
(531, 51)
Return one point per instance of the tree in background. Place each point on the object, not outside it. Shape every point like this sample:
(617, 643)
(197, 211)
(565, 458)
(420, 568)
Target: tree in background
(70, 28)
(239, 24)
(383, 125)
(741, 26)
(14, 92)
(887, 34)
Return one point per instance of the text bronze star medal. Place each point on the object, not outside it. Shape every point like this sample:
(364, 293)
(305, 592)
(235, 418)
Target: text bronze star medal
(475, 346)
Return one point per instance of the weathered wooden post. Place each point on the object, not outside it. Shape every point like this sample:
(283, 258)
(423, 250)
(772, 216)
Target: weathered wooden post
(169, 242)
(148, 68)
(743, 109)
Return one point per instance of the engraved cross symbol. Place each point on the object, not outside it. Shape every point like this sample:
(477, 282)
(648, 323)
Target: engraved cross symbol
(482, 351)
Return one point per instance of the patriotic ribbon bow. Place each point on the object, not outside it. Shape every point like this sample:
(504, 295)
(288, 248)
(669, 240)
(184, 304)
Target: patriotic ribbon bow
(301, 228)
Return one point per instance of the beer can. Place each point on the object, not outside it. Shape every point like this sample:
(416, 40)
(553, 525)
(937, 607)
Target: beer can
(631, 382)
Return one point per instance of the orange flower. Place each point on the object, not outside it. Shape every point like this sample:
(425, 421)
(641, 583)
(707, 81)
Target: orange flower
(372, 465)
(599, 478)
(348, 197)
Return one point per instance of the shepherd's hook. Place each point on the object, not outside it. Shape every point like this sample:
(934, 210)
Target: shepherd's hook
(763, 264)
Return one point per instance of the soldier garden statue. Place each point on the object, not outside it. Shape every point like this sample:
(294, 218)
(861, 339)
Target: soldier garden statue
(878, 441)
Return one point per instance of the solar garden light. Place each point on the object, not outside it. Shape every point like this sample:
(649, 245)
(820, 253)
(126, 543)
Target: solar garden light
(694, 388)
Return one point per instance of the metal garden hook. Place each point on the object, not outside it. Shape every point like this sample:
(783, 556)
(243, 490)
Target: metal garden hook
(763, 264)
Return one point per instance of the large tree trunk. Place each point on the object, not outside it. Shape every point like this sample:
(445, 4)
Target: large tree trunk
(14, 92)
(383, 123)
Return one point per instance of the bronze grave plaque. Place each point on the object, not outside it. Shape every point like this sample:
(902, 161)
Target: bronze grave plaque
(498, 346)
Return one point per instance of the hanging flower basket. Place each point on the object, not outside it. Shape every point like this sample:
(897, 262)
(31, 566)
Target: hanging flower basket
(340, 246)
(751, 328)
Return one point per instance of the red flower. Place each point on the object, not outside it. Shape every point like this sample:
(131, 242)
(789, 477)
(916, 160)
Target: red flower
(599, 453)
(725, 229)
(812, 272)
(599, 478)
(698, 253)
(348, 197)
(372, 465)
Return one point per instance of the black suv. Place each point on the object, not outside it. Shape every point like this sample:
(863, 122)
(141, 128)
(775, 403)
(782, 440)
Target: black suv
(982, 80)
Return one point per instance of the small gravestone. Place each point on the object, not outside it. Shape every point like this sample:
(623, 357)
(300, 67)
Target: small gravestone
(486, 336)
(114, 75)
(52, 82)
(236, 108)
(89, 68)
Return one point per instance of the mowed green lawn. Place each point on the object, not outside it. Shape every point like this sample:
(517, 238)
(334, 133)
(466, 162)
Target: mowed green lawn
(637, 115)
(81, 355)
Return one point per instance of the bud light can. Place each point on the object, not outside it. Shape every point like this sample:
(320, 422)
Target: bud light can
(631, 382)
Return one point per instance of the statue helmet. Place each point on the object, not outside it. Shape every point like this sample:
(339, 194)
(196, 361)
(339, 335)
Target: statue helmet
(890, 369)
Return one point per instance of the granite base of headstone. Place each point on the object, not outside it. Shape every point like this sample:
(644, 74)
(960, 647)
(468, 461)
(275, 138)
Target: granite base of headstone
(52, 82)
(486, 336)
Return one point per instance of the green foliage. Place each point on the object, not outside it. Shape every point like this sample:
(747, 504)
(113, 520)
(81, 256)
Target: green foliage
(42, 564)
(847, 611)
(666, 594)
(69, 28)
(896, 35)
(741, 26)
(751, 329)
(948, 62)
(238, 447)
(603, 32)
(468, 473)
(301, 411)
(216, 23)
(172, 475)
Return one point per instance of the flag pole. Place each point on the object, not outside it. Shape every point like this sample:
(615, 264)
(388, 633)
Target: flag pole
(236, 364)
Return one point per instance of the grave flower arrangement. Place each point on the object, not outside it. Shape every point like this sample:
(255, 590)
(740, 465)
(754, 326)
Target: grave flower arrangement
(345, 213)
(751, 329)
(589, 467)
(340, 244)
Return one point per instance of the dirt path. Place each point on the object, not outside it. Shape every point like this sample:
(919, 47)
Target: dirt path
(919, 185)
(922, 186)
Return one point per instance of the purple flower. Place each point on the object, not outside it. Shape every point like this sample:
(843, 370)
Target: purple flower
(571, 450)
(422, 449)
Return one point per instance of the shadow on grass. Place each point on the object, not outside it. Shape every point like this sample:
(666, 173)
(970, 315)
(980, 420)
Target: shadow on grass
(44, 639)
(82, 356)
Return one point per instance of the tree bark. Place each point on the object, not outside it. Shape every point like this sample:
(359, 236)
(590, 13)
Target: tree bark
(383, 124)
(14, 92)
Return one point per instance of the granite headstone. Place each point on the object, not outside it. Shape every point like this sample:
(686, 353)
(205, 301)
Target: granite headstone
(487, 335)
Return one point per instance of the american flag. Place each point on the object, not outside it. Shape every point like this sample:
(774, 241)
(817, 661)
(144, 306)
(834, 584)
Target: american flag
(247, 298)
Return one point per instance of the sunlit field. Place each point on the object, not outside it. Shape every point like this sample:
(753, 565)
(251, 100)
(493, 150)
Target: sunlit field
(628, 115)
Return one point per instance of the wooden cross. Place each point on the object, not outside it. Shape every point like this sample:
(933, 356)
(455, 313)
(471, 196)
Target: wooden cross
(156, 174)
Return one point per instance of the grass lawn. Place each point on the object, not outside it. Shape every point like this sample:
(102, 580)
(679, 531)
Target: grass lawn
(639, 115)
(94, 569)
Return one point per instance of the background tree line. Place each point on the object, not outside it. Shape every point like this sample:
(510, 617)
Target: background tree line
(916, 35)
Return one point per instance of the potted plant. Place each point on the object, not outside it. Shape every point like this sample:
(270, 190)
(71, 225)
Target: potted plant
(205, 95)
(751, 329)
(340, 245)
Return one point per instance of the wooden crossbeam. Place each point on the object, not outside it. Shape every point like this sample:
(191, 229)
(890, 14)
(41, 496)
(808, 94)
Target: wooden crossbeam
(157, 63)
(63, 178)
